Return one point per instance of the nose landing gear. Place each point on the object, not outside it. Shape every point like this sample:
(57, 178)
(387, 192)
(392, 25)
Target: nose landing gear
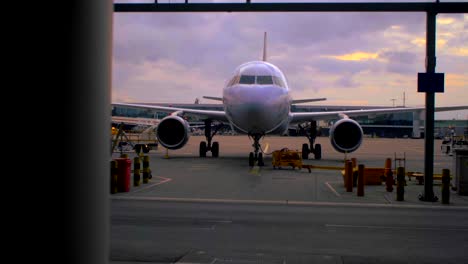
(256, 156)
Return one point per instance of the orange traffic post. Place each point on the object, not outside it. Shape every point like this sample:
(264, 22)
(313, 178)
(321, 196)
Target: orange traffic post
(445, 186)
(360, 182)
(114, 177)
(146, 169)
(136, 171)
(349, 176)
(388, 175)
(400, 189)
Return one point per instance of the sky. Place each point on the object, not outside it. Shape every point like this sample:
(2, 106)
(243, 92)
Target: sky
(358, 58)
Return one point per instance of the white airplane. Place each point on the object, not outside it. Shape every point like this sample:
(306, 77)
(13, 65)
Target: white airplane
(257, 102)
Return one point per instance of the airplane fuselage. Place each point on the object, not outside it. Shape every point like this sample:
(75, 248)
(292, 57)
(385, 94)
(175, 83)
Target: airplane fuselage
(257, 100)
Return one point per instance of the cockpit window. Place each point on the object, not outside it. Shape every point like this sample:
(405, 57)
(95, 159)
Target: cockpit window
(279, 81)
(264, 79)
(247, 79)
(260, 79)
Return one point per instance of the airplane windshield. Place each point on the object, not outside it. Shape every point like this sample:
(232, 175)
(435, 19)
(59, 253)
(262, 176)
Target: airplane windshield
(247, 79)
(264, 79)
(261, 79)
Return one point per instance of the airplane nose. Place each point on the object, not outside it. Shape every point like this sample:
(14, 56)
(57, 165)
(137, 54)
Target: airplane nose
(260, 112)
(257, 109)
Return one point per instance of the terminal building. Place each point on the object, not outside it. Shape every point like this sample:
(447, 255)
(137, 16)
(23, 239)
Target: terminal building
(396, 125)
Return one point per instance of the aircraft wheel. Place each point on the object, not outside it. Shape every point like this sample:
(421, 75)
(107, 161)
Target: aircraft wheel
(215, 150)
(318, 151)
(260, 160)
(203, 149)
(305, 151)
(251, 159)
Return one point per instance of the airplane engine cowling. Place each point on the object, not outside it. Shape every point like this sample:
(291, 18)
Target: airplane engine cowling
(173, 132)
(346, 135)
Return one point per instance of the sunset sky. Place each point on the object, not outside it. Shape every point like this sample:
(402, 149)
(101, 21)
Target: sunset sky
(349, 58)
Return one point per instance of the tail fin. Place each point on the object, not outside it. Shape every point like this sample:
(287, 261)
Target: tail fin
(264, 46)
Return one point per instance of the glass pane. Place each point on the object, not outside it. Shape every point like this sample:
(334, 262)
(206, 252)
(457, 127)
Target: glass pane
(247, 79)
(264, 79)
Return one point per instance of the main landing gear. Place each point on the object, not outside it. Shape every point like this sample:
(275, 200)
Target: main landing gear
(311, 135)
(256, 156)
(206, 146)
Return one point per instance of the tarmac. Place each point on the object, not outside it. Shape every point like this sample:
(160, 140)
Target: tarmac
(180, 175)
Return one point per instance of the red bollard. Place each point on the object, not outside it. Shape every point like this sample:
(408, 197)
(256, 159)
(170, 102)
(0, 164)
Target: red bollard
(124, 172)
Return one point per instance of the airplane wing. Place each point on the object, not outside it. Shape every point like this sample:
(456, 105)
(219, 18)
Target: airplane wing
(204, 114)
(213, 98)
(300, 101)
(297, 117)
(135, 120)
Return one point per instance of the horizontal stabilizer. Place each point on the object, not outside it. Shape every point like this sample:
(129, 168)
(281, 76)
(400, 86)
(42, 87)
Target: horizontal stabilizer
(307, 100)
(213, 98)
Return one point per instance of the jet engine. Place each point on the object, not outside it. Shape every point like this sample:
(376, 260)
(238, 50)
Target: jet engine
(173, 132)
(346, 135)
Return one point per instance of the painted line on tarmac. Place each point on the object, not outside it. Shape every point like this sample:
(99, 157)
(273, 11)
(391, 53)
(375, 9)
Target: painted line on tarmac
(154, 184)
(332, 189)
(255, 170)
(387, 198)
(284, 202)
(398, 227)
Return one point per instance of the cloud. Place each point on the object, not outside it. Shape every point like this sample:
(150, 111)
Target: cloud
(355, 56)
(179, 56)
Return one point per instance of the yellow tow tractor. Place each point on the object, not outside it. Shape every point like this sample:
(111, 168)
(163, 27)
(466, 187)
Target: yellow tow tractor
(286, 157)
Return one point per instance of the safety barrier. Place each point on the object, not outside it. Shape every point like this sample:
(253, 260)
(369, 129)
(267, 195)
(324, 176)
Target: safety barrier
(419, 176)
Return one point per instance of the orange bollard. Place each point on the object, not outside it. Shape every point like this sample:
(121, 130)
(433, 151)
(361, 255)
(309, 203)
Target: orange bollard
(349, 176)
(388, 163)
(360, 182)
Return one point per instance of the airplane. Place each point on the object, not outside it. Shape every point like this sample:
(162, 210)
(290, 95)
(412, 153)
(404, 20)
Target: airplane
(257, 102)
